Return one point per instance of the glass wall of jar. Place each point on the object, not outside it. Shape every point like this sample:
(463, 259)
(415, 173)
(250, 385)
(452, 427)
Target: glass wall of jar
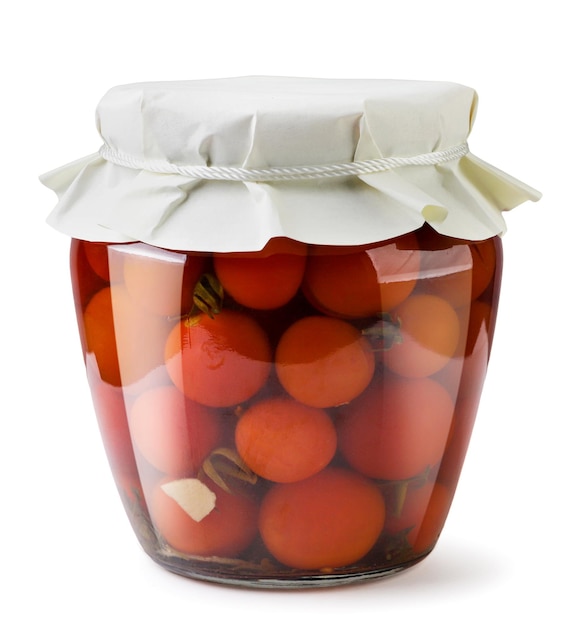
(297, 416)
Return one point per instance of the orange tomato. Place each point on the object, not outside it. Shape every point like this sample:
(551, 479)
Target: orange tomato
(127, 342)
(397, 429)
(218, 361)
(454, 269)
(263, 280)
(160, 281)
(284, 441)
(225, 531)
(323, 361)
(99, 329)
(430, 333)
(331, 519)
(362, 281)
(173, 433)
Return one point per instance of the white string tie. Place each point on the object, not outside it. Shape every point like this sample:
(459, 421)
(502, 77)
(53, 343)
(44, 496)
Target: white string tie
(300, 172)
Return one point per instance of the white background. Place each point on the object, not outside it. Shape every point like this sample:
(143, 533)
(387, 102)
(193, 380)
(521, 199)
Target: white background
(508, 551)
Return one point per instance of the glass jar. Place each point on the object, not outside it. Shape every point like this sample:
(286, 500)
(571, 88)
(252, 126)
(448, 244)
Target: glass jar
(286, 292)
(295, 416)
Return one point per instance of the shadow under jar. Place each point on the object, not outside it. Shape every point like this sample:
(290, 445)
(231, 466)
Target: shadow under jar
(291, 417)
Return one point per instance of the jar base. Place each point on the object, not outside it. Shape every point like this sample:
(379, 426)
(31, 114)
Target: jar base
(281, 580)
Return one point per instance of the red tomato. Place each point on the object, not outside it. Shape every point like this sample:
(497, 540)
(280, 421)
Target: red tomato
(229, 527)
(396, 429)
(430, 333)
(160, 281)
(99, 328)
(263, 280)
(218, 361)
(128, 343)
(362, 281)
(285, 441)
(329, 520)
(323, 361)
(172, 432)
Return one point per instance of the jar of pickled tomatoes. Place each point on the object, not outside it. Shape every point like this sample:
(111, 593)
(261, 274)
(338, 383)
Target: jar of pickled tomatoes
(286, 292)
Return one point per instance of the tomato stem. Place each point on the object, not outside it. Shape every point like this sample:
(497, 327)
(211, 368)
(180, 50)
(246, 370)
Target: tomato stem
(399, 489)
(385, 333)
(401, 492)
(208, 295)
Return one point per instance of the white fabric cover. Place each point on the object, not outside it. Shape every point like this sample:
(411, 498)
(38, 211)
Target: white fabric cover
(262, 122)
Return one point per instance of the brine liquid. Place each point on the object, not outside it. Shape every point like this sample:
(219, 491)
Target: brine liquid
(297, 416)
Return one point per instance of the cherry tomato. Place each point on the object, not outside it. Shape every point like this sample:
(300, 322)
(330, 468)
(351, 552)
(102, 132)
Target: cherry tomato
(225, 531)
(127, 342)
(99, 328)
(331, 519)
(323, 361)
(429, 336)
(396, 429)
(284, 441)
(218, 361)
(263, 280)
(160, 281)
(362, 281)
(454, 269)
(172, 432)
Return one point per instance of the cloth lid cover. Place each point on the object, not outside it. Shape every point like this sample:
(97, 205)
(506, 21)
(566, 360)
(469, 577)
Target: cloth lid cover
(148, 182)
